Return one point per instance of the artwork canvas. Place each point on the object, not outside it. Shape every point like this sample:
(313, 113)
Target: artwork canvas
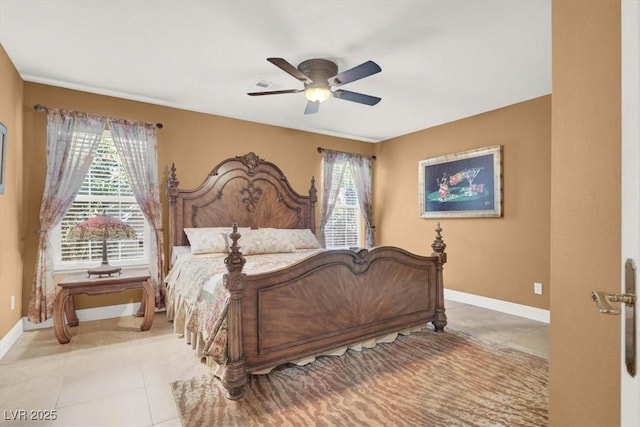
(466, 184)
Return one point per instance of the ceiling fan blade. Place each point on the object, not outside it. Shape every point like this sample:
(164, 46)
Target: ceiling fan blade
(275, 92)
(312, 107)
(356, 97)
(356, 73)
(287, 67)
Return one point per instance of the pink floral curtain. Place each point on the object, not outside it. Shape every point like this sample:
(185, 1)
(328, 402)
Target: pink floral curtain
(332, 162)
(361, 169)
(137, 146)
(72, 140)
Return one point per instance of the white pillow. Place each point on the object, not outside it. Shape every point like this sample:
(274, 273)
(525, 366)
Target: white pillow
(208, 239)
(264, 241)
(301, 238)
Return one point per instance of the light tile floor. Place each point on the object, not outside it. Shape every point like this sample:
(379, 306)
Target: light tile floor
(113, 374)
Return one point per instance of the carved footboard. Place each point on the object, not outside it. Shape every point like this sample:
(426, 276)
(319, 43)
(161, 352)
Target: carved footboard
(329, 300)
(326, 301)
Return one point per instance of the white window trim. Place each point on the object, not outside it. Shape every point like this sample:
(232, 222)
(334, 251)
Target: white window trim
(55, 237)
(359, 222)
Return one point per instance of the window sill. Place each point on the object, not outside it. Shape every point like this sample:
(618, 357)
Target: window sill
(76, 269)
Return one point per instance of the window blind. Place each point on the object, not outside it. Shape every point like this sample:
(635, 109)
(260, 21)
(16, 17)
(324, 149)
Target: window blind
(344, 227)
(105, 190)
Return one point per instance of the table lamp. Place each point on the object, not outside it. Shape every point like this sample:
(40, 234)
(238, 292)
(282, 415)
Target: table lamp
(102, 227)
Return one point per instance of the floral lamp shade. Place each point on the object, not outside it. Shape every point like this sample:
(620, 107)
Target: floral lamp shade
(102, 227)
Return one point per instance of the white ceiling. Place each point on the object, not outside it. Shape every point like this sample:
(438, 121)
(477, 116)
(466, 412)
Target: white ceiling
(441, 60)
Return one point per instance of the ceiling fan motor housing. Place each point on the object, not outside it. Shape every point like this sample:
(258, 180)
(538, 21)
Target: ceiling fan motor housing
(319, 71)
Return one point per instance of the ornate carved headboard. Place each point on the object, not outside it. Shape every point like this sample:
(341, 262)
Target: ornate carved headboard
(246, 190)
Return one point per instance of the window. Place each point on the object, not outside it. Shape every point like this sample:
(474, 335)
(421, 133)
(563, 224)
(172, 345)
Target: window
(106, 190)
(343, 230)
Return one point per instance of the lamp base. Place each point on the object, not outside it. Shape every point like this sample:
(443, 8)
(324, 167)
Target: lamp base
(104, 270)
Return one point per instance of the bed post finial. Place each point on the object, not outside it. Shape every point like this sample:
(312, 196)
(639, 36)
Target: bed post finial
(234, 376)
(312, 190)
(172, 184)
(439, 245)
(235, 261)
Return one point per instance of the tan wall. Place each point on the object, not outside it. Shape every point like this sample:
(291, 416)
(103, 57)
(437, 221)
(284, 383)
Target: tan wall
(585, 215)
(195, 142)
(523, 130)
(582, 209)
(11, 213)
(494, 257)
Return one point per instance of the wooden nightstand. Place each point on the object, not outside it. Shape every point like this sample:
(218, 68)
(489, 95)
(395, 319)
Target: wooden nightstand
(79, 283)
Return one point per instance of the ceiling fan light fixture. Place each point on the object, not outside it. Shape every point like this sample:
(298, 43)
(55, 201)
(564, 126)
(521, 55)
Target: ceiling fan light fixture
(317, 94)
(320, 78)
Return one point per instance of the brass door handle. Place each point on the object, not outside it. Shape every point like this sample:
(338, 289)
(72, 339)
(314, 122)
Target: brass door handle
(604, 300)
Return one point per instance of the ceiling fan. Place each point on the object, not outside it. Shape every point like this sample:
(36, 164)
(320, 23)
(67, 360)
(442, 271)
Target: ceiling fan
(320, 78)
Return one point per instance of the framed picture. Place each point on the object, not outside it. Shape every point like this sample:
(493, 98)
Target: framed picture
(3, 155)
(459, 185)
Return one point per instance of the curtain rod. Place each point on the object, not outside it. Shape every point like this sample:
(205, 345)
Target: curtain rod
(40, 108)
(320, 150)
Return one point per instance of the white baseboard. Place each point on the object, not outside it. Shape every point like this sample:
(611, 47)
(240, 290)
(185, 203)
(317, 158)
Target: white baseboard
(86, 315)
(90, 314)
(525, 311)
(10, 338)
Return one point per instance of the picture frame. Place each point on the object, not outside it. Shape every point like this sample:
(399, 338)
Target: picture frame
(3, 156)
(461, 185)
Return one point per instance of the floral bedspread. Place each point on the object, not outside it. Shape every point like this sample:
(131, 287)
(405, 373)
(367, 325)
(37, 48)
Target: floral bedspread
(195, 288)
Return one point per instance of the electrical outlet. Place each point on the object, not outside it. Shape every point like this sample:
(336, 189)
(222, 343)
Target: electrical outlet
(13, 302)
(537, 288)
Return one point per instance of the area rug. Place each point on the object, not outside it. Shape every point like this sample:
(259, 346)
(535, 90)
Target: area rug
(422, 379)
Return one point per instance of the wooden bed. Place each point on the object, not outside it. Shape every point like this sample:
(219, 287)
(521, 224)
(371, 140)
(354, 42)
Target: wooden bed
(329, 300)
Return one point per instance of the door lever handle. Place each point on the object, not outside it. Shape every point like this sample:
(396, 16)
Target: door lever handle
(604, 300)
